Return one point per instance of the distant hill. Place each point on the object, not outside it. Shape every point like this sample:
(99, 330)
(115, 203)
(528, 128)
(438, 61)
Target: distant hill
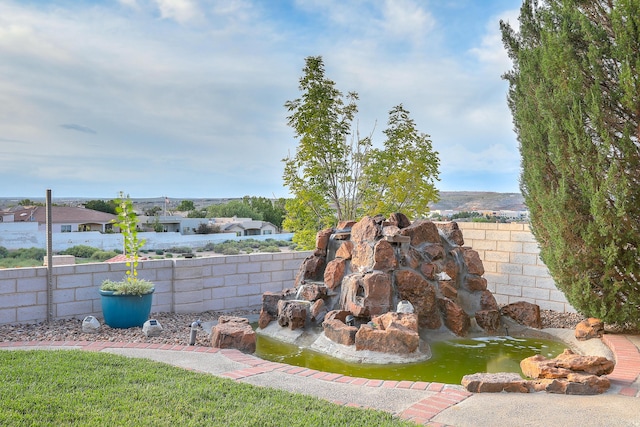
(478, 200)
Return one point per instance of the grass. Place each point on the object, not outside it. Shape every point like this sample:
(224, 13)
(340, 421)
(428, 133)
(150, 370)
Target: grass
(74, 387)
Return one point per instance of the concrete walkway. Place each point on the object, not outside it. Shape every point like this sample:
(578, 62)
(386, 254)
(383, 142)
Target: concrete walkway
(432, 404)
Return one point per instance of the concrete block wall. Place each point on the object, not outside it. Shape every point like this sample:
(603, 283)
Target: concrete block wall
(225, 283)
(513, 268)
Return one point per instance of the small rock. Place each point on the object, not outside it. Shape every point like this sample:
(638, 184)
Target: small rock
(589, 328)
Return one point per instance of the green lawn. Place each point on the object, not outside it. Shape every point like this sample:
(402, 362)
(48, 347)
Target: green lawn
(74, 387)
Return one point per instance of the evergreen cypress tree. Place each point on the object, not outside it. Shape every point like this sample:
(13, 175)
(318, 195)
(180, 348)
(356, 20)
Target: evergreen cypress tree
(574, 92)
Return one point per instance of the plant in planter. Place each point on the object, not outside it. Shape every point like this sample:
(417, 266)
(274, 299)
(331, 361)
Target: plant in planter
(127, 303)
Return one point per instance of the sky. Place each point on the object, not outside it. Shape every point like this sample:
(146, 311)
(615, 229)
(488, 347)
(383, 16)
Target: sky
(185, 98)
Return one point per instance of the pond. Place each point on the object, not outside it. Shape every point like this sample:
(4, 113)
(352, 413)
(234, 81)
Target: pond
(452, 359)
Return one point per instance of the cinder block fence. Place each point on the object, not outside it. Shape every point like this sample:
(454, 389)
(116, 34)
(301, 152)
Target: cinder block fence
(513, 270)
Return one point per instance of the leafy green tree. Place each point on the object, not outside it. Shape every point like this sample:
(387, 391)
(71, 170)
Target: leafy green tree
(197, 213)
(327, 165)
(232, 208)
(574, 92)
(272, 211)
(401, 177)
(29, 202)
(186, 206)
(102, 206)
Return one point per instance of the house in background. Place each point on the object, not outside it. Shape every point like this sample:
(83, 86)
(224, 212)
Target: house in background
(186, 226)
(245, 226)
(63, 219)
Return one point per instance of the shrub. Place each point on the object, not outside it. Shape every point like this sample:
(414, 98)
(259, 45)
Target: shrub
(4, 252)
(80, 251)
(159, 252)
(230, 251)
(103, 255)
(180, 250)
(272, 248)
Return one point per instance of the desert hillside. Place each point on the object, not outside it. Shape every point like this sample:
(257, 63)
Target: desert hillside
(478, 200)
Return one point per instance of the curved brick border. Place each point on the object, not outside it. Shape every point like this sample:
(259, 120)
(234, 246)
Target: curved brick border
(626, 373)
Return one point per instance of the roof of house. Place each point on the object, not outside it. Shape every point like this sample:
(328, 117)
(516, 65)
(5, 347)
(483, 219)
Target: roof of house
(61, 214)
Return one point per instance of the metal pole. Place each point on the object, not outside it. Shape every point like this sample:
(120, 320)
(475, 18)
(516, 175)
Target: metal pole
(49, 260)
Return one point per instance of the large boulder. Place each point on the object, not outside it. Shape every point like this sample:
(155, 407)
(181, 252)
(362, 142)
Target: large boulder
(292, 313)
(421, 294)
(422, 231)
(339, 332)
(523, 312)
(455, 318)
(233, 332)
(367, 295)
(396, 338)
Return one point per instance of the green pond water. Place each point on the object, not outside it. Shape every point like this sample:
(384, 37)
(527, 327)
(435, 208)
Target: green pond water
(451, 359)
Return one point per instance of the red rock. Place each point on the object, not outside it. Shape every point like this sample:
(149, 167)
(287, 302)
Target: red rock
(488, 301)
(340, 315)
(422, 231)
(489, 320)
(452, 232)
(312, 292)
(345, 249)
(312, 268)
(339, 332)
(384, 256)
(334, 273)
(473, 261)
(265, 319)
(345, 225)
(322, 240)
(318, 311)
(396, 339)
(400, 220)
(414, 288)
(233, 332)
(435, 251)
(270, 300)
(495, 383)
(447, 289)
(475, 283)
(367, 295)
(362, 257)
(454, 317)
(595, 365)
(429, 270)
(391, 318)
(412, 258)
(292, 314)
(589, 328)
(365, 230)
(451, 267)
(523, 312)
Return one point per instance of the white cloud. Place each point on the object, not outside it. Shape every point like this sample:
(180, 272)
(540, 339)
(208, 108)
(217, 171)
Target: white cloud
(405, 19)
(182, 11)
(491, 51)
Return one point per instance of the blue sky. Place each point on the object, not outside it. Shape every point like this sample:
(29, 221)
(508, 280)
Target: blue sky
(184, 98)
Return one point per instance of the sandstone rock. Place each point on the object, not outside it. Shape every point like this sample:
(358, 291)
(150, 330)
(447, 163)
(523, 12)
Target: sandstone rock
(264, 319)
(589, 328)
(292, 314)
(413, 287)
(340, 315)
(270, 300)
(384, 256)
(390, 231)
(400, 220)
(396, 339)
(489, 320)
(337, 331)
(334, 273)
(523, 312)
(391, 319)
(452, 232)
(345, 225)
(451, 266)
(318, 311)
(312, 292)
(322, 241)
(312, 268)
(495, 383)
(429, 270)
(565, 364)
(473, 261)
(362, 257)
(345, 249)
(365, 230)
(233, 332)
(422, 231)
(367, 295)
(435, 251)
(412, 258)
(454, 317)
(448, 290)
(475, 283)
(488, 301)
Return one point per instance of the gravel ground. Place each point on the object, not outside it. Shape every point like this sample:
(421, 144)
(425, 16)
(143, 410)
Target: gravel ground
(176, 328)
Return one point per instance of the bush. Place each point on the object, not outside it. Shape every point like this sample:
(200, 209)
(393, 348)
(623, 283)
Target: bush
(180, 250)
(30, 253)
(271, 248)
(159, 252)
(4, 252)
(80, 251)
(103, 255)
(230, 251)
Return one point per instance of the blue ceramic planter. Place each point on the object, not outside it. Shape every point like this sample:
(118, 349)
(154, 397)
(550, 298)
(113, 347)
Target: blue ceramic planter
(125, 311)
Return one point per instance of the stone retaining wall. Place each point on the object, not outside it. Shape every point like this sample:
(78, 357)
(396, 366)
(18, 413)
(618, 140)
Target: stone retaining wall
(223, 283)
(513, 268)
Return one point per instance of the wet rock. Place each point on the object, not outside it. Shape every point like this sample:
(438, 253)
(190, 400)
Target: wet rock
(475, 283)
(451, 232)
(473, 261)
(434, 251)
(589, 328)
(489, 320)
(414, 288)
(318, 311)
(312, 292)
(429, 270)
(454, 316)
(334, 273)
(233, 332)
(367, 295)
(488, 301)
(312, 268)
(448, 290)
(523, 312)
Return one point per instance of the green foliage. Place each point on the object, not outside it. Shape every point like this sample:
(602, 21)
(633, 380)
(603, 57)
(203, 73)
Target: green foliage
(131, 286)
(103, 255)
(574, 92)
(272, 211)
(401, 177)
(127, 222)
(233, 208)
(102, 206)
(234, 247)
(306, 215)
(180, 250)
(186, 206)
(4, 252)
(466, 214)
(153, 211)
(206, 228)
(80, 251)
(197, 213)
(36, 254)
(29, 202)
(86, 388)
